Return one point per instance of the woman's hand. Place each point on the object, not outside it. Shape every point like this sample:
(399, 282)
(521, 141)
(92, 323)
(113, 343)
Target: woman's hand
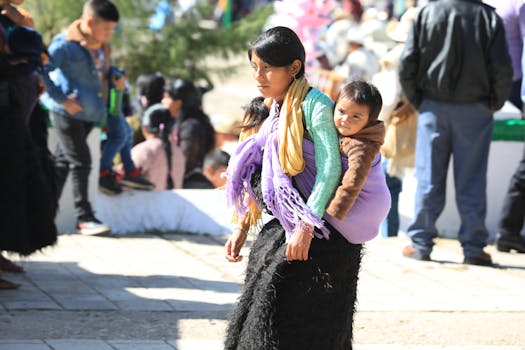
(299, 246)
(234, 245)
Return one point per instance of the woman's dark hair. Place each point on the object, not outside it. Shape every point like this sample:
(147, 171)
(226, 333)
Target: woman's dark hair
(151, 85)
(192, 127)
(363, 93)
(187, 92)
(255, 113)
(157, 120)
(279, 47)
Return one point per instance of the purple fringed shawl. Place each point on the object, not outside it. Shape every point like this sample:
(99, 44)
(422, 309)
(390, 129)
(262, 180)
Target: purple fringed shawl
(279, 195)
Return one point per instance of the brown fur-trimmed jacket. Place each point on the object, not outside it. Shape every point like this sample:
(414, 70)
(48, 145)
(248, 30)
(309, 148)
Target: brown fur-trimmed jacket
(361, 150)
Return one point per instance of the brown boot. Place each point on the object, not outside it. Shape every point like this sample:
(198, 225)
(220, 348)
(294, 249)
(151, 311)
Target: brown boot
(482, 259)
(8, 285)
(9, 266)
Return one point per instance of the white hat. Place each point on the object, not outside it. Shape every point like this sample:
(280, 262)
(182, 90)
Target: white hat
(354, 35)
(400, 31)
(227, 124)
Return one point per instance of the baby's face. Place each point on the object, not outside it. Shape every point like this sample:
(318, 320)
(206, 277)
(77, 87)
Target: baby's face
(350, 117)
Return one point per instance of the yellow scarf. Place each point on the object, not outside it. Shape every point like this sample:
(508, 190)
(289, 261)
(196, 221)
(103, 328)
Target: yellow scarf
(291, 132)
(291, 128)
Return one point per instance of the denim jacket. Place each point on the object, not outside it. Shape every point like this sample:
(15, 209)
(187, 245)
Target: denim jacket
(71, 70)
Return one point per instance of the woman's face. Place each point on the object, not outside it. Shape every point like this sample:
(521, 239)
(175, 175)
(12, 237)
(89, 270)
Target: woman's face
(271, 81)
(174, 106)
(350, 117)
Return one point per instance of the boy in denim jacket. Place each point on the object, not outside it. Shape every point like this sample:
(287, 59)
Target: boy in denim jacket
(76, 77)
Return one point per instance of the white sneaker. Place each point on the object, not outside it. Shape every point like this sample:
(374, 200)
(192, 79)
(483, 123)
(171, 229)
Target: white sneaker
(92, 227)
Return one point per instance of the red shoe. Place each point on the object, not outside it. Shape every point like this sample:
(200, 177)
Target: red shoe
(410, 252)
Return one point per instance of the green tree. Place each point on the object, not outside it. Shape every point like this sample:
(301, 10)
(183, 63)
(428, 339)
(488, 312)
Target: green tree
(51, 17)
(182, 48)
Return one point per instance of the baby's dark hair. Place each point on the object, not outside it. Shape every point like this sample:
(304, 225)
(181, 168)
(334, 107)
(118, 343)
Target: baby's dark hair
(363, 93)
(216, 158)
(255, 113)
(101, 9)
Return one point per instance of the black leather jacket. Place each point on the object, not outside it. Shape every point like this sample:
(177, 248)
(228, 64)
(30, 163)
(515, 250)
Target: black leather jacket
(456, 52)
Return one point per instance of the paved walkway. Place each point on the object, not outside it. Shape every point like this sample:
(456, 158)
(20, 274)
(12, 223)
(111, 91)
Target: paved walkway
(175, 291)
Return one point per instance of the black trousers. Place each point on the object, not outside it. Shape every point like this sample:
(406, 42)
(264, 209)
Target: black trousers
(513, 212)
(72, 155)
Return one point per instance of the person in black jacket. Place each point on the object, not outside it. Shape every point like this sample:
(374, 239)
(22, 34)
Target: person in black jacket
(455, 69)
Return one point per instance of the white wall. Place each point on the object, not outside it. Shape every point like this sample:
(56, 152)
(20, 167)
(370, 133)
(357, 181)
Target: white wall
(205, 211)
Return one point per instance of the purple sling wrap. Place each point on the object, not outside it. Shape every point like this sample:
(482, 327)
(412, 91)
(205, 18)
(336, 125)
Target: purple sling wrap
(371, 207)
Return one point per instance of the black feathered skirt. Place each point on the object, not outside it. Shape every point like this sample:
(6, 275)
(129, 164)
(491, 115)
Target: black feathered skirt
(298, 304)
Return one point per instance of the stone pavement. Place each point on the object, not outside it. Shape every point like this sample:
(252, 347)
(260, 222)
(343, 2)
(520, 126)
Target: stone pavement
(174, 291)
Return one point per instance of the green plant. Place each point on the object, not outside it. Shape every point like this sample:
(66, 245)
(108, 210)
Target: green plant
(182, 48)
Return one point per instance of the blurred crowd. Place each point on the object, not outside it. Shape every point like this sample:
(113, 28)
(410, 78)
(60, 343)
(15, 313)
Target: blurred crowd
(155, 133)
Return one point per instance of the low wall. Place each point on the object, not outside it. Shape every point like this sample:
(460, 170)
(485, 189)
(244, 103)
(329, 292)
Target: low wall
(504, 157)
(197, 211)
(204, 211)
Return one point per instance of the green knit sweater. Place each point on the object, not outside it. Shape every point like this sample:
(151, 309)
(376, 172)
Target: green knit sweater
(318, 111)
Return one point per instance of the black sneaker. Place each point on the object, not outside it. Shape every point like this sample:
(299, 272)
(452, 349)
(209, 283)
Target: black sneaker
(134, 179)
(507, 243)
(91, 226)
(107, 183)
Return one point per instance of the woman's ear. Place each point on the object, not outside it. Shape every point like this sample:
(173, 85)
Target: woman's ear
(295, 67)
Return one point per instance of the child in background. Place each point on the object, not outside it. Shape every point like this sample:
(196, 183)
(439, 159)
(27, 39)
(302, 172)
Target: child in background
(162, 161)
(119, 139)
(150, 90)
(76, 77)
(215, 164)
(210, 175)
(361, 136)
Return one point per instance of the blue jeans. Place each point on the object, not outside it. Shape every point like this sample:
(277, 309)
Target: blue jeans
(390, 226)
(463, 131)
(120, 138)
